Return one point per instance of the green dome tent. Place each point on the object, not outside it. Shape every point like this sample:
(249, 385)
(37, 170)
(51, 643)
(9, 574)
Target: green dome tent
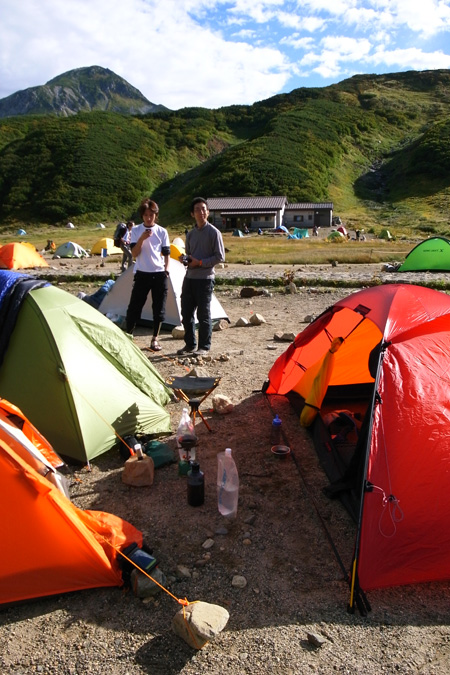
(430, 255)
(78, 378)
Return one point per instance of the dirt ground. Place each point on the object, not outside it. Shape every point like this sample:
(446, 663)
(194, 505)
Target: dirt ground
(292, 545)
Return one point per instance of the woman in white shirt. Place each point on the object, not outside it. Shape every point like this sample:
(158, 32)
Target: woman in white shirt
(150, 247)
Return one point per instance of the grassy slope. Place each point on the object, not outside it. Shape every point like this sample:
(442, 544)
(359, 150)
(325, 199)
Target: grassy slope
(377, 146)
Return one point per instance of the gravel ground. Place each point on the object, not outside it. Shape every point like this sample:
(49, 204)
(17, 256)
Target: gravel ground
(280, 541)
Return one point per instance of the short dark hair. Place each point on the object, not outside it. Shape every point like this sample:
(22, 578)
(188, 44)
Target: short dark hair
(148, 204)
(198, 200)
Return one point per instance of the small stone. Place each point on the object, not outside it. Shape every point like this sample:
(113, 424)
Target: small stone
(247, 542)
(222, 531)
(222, 404)
(291, 288)
(143, 586)
(238, 581)
(257, 319)
(178, 332)
(242, 322)
(221, 325)
(182, 572)
(315, 639)
(249, 292)
(209, 543)
(284, 337)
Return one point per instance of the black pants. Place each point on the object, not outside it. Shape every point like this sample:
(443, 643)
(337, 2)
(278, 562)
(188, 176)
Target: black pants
(143, 283)
(196, 296)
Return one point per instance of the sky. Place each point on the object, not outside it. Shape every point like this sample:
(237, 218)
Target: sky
(214, 53)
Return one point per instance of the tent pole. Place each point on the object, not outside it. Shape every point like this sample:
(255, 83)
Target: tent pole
(357, 595)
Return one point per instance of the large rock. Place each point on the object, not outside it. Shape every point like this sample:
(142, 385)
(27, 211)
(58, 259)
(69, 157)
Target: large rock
(199, 622)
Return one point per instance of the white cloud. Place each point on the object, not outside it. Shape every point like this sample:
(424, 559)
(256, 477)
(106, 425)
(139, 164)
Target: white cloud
(218, 52)
(414, 59)
(156, 45)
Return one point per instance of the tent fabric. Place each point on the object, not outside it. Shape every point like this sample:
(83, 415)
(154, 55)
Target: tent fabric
(49, 545)
(431, 255)
(78, 377)
(70, 250)
(108, 244)
(20, 255)
(116, 301)
(404, 537)
(13, 288)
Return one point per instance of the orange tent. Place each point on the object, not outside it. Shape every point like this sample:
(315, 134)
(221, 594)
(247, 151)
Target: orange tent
(49, 545)
(20, 255)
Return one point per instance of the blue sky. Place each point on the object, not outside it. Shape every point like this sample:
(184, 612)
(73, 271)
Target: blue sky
(214, 53)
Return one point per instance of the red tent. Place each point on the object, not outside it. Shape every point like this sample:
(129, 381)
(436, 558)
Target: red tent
(404, 497)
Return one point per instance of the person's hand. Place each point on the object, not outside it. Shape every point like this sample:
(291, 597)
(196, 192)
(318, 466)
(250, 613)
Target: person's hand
(146, 233)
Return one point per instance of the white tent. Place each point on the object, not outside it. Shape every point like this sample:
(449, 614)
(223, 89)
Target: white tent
(116, 302)
(70, 250)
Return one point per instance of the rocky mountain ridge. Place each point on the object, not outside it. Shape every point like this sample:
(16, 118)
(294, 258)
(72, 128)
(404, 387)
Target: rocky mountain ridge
(79, 90)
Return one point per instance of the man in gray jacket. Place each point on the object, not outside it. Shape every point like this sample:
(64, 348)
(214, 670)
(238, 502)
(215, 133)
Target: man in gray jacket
(204, 250)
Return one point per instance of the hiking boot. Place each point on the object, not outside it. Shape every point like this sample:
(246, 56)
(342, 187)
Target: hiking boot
(201, 352)
(186, 350)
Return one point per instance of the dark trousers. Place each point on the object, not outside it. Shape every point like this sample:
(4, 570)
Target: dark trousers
(143, 283)
(196, 295)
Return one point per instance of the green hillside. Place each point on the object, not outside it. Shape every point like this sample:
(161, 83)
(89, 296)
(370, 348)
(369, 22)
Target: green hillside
(377, 146)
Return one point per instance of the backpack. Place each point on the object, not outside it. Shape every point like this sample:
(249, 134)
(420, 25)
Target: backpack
(118, 234)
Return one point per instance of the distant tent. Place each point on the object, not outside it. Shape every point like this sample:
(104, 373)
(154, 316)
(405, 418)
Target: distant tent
(100, 226)
(237, 233)
(432, 255)
(116, 302)
(70, 226)
(108, 244)
(70, 250)
(342, 230)
(282, 228)
(335, 236)
(20, 255)
(79, 379)
(301, 233)
(49, 545)
(21, 232)
(385, 234)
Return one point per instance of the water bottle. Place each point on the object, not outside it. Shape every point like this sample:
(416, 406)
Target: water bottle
(275, 434)
(227, 484)
(195, 485)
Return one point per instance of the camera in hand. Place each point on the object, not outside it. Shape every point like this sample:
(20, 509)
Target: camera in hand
(186, 259)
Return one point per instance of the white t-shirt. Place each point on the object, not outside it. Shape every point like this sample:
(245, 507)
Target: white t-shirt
(150, 258)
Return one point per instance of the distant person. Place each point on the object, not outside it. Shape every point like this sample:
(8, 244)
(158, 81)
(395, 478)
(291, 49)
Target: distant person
(260, 230)
(150, 248)
(204, 250)
(315, 231)
(127, 256)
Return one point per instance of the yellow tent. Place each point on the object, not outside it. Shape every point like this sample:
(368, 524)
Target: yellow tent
(105, 242)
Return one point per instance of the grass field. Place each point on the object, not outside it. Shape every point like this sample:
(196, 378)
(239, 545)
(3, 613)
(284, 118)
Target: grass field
(266, 249)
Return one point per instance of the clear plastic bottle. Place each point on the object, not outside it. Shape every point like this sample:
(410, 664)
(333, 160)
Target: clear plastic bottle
(227, 484)
(275, 432)
(186, 438)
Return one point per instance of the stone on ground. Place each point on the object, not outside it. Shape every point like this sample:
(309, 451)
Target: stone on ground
(199, 622)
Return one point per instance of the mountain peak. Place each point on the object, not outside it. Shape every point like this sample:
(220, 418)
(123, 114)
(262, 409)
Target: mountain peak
(82, 89)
